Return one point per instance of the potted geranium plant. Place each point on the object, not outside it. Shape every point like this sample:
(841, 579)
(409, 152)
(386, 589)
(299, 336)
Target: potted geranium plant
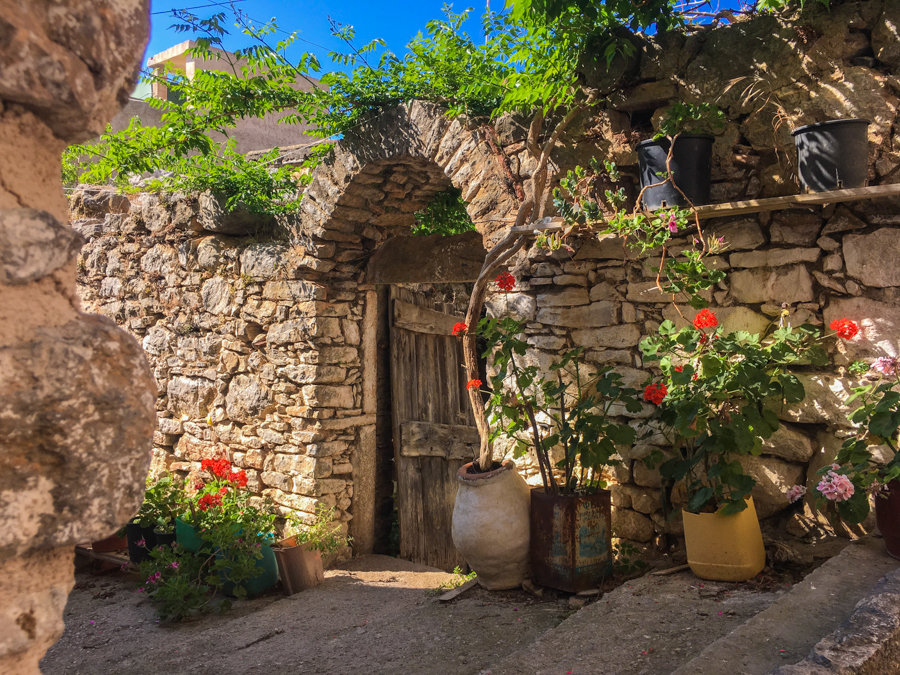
(299, 556)
(154, 523)
(238, 533)
(858, 470)
(714, 403)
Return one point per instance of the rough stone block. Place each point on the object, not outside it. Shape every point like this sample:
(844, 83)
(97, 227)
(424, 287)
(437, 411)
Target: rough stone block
(596, 314)
(789, 284)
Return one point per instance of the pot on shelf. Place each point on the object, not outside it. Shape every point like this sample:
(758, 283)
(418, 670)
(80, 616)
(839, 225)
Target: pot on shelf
(724, 548)
(832, 155)
(491, 525)
(691, 166)
(571, 539)
(887, 517)
(299, 567)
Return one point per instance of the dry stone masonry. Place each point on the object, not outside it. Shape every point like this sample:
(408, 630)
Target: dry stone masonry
(76, 414)
(262, 335)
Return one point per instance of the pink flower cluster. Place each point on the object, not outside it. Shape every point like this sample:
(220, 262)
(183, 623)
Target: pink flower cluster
(795, 493)
(887, 365)
(834, 486)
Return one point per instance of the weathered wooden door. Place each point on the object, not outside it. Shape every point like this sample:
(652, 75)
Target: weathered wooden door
(434, 429)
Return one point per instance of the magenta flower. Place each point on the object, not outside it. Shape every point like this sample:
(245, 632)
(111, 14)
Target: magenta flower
(673, 224)
(141, 542)
(174, 564)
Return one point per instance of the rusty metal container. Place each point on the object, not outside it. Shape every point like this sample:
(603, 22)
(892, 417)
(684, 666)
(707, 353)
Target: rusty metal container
(571, 539)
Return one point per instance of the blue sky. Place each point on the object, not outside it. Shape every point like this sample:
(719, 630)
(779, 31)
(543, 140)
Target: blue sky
(395, 21)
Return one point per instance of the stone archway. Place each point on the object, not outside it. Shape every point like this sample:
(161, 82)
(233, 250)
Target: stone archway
(366, 192)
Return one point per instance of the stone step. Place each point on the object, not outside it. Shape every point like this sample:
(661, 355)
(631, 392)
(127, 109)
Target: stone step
(647, 626)
(787, 631)
(679, 624)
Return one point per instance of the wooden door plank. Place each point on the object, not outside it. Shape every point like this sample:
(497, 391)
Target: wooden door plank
(422, 320)
(450, 441)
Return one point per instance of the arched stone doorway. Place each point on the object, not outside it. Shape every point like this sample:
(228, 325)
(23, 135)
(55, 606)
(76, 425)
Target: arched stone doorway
(363, 195)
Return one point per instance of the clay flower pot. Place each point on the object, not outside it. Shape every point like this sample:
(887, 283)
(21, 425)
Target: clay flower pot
(724, 548)
(110, 544)
(491, 527)
(887, 517)
(300, 567)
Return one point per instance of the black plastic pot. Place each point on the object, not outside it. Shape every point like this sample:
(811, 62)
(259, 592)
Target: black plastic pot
(164, 538)
(832, 155)
(690, 166)
(133, 534)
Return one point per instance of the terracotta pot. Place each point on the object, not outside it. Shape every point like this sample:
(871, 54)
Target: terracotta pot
(491, 525)
(299, 567)
(724, 548)
(887, 516)
(571, 539)
(110, 544)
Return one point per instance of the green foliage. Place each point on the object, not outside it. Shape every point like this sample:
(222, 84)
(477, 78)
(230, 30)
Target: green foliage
(458, 580)
(578, 408)
(690, 118)
(596, 17)
(323, 535)
(163, 501)
(625, 560)
(582, 199)
(445, 214)
(179, 582)
(718, 405)
(877, 418)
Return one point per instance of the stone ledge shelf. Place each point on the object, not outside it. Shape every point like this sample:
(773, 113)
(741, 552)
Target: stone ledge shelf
(812, 199)
(556, 224)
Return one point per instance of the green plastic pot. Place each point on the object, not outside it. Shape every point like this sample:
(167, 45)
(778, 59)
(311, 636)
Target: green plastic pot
(187, 536)
(267, 577)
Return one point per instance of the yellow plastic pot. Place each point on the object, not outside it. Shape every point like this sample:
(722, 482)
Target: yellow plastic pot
(724, 548)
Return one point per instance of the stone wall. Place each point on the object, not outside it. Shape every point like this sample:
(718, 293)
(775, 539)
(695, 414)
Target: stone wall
(265, 349)
(225, 321)
(821, 264)
(76, 414)
(262, 335)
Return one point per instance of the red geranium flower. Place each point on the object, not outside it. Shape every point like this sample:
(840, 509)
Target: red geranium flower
(655, 393)
(206, 501)
(220, 468)
(506, 282)
(473, 384)
(459, 329)
(705, 319)
(845, 328)
(239, 478)
(679, 369)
